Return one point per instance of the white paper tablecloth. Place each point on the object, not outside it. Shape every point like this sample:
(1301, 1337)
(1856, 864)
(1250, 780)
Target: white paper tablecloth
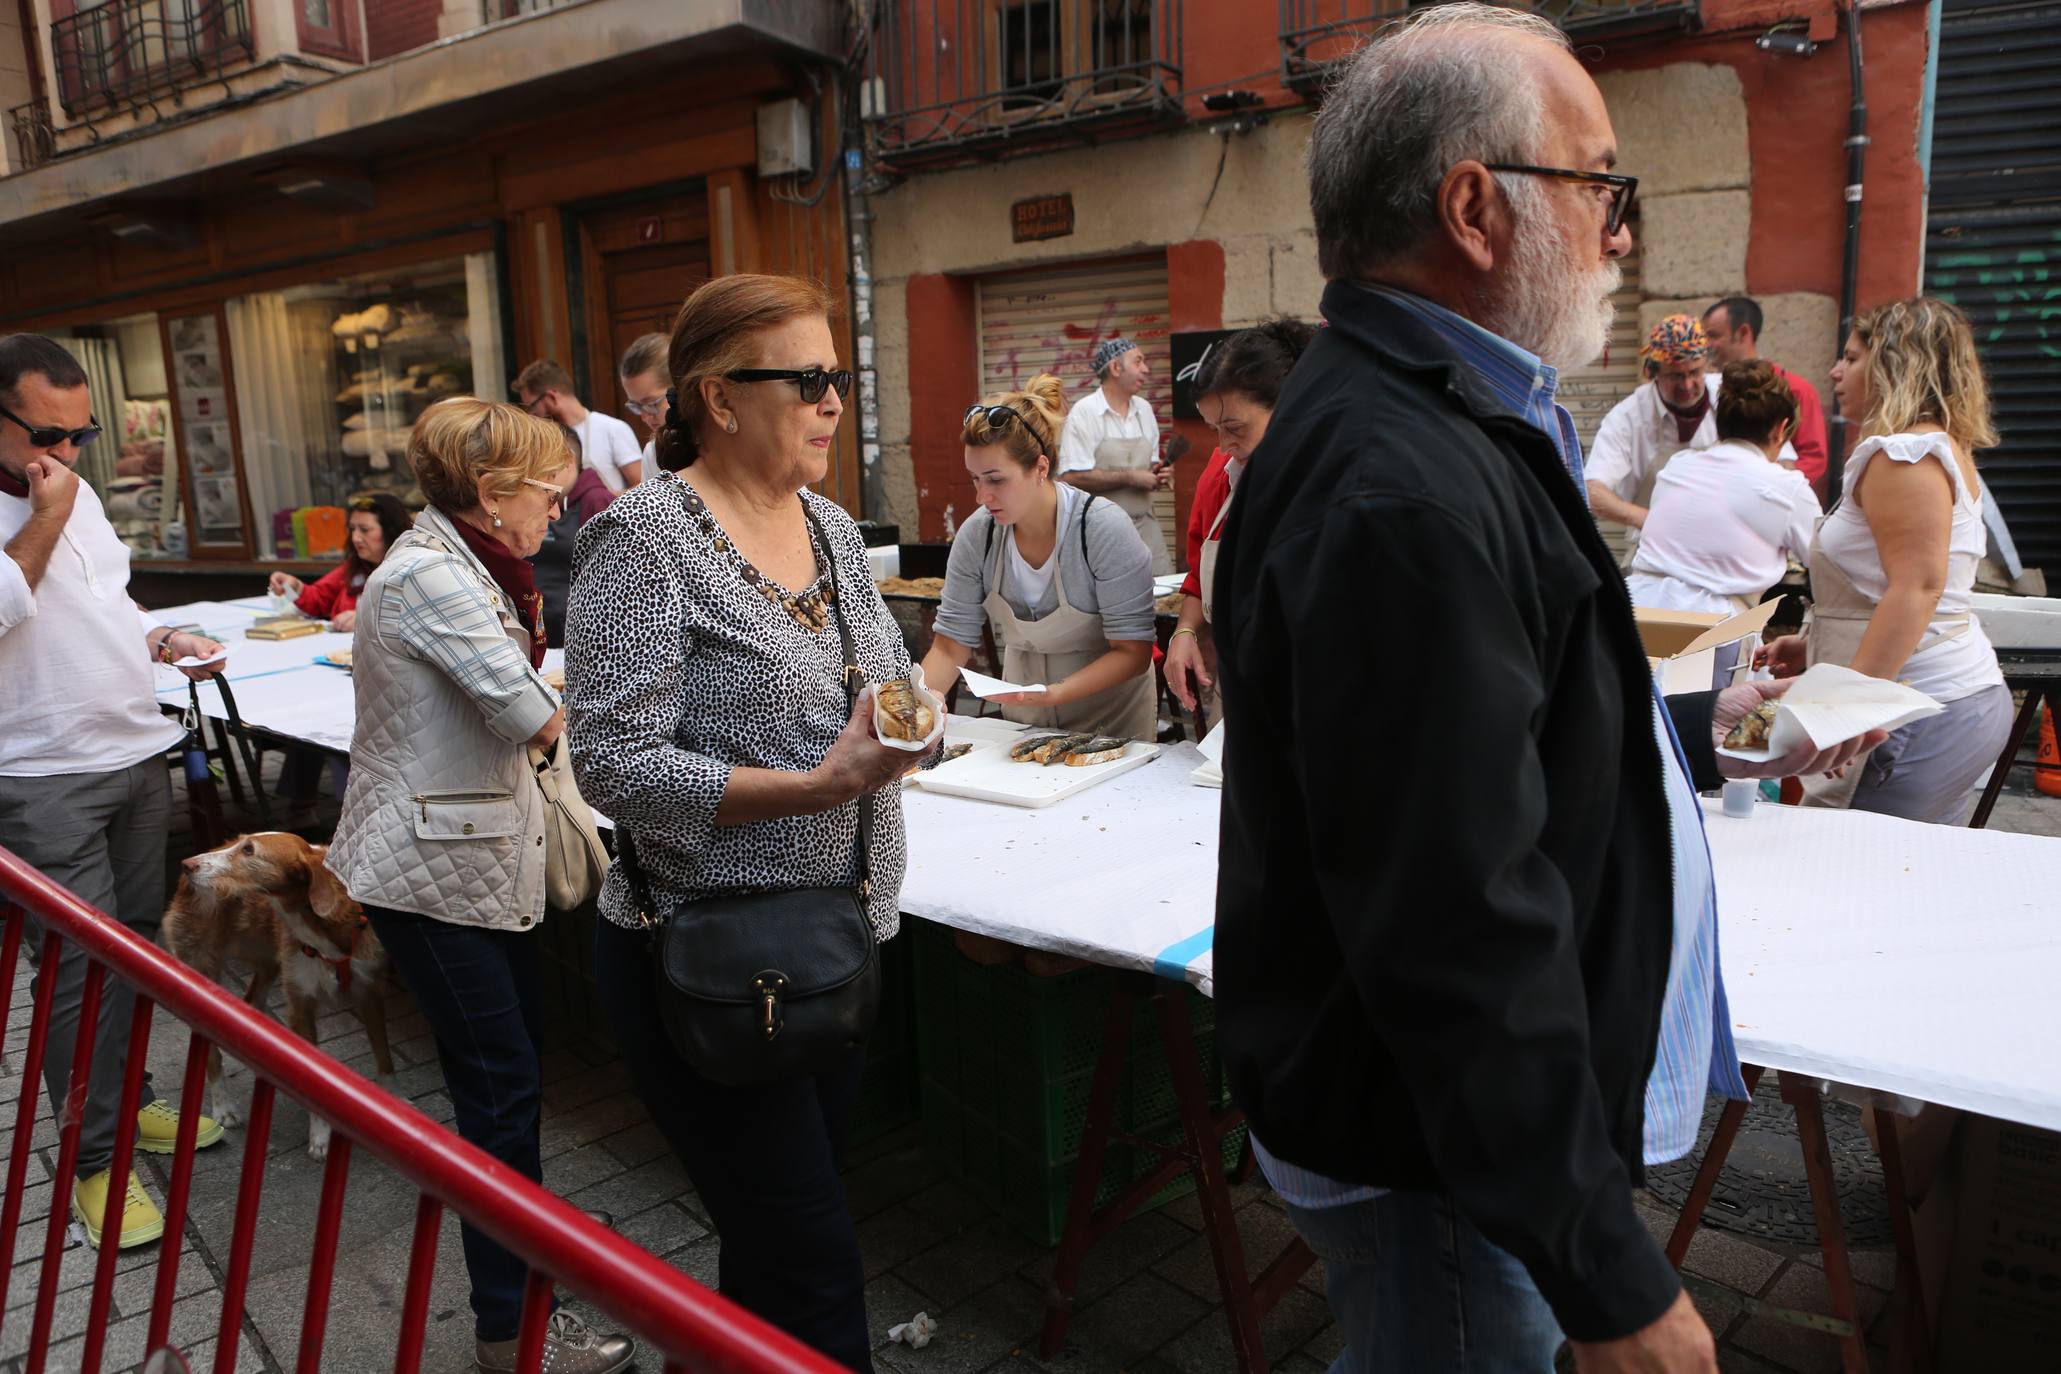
(1922, 960)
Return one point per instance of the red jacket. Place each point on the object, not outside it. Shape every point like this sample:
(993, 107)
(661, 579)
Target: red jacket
(330, 595)
(1212, 490)
(1810, 427)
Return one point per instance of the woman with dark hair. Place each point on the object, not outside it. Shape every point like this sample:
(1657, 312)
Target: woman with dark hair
(1237, 388)
(1724, 521)
(375, 522)
(705, 683)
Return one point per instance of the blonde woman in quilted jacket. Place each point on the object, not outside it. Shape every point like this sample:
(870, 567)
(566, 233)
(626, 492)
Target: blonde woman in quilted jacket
(442, 834)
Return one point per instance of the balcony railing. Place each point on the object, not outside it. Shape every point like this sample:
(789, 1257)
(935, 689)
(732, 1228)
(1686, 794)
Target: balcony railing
(1316, 34)
(951, 80)
(126, 52)
(35, 143)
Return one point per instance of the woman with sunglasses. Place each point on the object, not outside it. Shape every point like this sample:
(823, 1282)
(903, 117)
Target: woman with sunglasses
(442, 833)
(1061, 575)
(705, 675)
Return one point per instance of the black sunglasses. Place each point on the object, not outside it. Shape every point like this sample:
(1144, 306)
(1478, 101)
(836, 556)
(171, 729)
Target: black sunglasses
(997, 416)
(1622, 188)
(50, 436)
(813, 381)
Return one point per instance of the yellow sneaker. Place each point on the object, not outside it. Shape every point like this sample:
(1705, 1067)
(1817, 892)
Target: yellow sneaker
(157, 1129)
(141, 1221)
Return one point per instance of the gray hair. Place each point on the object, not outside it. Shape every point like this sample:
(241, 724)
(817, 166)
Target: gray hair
(1425, 94)
(645, 354)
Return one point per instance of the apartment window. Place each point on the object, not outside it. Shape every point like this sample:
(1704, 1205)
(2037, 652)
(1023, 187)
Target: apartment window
(1029, 53)
(329, 28)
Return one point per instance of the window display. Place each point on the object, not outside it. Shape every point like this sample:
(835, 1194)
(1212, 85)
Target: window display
(134, 468)
(330, 378)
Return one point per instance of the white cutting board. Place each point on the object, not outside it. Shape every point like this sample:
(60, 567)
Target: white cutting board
(989, 774)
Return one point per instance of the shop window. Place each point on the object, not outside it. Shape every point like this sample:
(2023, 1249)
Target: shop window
(330, 377)
(134, 466)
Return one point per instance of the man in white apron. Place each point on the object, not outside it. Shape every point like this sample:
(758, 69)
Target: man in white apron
(1111, 444)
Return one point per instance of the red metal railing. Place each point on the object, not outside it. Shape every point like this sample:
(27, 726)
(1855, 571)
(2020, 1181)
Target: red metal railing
(683, 1324)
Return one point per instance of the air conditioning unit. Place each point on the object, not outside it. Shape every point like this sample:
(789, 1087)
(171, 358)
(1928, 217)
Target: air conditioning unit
(786, 145)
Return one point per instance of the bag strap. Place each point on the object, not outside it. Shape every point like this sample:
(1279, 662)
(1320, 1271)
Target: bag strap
(854, 680)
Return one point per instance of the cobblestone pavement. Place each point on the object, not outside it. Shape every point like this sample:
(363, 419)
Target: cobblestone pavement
(1148, 1301)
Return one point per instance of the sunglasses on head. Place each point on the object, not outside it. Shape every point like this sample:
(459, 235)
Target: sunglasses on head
(813, 381)
(50, 436)
(997, 416)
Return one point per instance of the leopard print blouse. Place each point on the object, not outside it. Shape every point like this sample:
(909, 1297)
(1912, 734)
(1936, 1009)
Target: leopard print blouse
(679, 668)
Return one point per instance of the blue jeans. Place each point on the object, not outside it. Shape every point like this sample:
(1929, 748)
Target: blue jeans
(1417, 1290)
(481, 992)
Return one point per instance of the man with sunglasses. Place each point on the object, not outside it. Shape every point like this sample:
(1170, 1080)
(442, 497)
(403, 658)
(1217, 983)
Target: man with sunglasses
(84, 792)
(545, 389)
(1466, 941)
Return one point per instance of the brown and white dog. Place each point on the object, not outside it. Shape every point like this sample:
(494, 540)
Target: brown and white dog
(267, 900)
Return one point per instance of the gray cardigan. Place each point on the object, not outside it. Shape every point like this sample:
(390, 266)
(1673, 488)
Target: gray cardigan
(1114, 580)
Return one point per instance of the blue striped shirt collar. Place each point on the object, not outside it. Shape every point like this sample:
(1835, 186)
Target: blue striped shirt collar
(1515, 375)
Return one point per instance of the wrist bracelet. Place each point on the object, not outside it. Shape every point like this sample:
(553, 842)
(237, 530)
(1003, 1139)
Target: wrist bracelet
(164, 647)
(1184, 630)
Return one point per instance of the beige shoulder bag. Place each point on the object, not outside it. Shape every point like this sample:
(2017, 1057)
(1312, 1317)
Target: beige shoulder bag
(574, 861)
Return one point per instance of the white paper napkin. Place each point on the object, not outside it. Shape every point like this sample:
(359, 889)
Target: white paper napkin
(937, 709)
(981, 685)
(1211, 773)
(1830, 705)
(192, 661)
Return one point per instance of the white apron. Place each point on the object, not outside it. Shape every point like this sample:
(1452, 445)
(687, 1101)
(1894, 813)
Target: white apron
(1133, 455)
(1058, 646)
(1212, 543)
(1833, 630)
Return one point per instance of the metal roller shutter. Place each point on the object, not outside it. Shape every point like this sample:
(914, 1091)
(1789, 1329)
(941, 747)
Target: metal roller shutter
(1051, 319)
(1993, 241)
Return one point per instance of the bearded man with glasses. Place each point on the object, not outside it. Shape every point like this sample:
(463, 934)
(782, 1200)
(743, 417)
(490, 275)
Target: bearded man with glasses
(1467, 961)
(84, 792)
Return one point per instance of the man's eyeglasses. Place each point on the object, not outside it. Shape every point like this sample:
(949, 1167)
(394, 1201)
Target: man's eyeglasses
(1622, 188)
(997, 416)
(50, 436)
(650, 410)
(813, 381)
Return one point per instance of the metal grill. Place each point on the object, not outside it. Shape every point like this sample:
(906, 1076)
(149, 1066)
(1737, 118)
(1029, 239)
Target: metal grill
(950, 80)
(1316, 34)
(34, 141)
(125, 52)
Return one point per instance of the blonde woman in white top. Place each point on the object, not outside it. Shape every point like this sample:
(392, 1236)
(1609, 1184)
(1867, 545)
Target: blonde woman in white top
(1893, 566)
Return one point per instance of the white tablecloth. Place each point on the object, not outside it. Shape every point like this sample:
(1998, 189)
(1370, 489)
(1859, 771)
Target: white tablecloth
(1921, 960)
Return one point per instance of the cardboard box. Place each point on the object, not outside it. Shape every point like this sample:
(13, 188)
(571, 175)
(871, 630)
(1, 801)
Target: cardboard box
(2001, 1305)
(1688, 648)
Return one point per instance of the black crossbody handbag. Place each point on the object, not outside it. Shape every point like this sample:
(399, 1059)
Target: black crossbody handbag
(761, 987)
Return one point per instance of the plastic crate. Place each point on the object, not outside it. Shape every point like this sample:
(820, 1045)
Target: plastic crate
(1008, 1062)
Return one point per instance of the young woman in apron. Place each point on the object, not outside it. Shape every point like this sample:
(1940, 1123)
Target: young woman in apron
(1236, 387)
(1893, 565)
(1059, 575)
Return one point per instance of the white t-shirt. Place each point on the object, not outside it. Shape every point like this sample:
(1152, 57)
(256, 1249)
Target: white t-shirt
(607, 445)
(76, 690)
(1030, 585)
(1721, 525)
(1964, 664)
(1093, 419)
(1640, 432)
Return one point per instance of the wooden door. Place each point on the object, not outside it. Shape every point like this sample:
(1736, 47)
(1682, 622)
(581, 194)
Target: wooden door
(641, 260)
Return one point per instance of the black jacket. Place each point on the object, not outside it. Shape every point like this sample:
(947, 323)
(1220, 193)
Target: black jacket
(1445, 892)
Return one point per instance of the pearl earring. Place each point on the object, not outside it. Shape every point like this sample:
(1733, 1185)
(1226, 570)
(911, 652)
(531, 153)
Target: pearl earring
(497, 520)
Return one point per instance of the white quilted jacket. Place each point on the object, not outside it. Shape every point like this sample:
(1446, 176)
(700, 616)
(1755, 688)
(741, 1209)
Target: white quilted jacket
(442, 816)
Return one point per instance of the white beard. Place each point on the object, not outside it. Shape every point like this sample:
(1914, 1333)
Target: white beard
(1552, 308)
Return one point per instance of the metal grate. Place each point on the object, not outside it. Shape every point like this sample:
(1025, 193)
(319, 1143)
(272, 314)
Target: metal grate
(35, 143)
(1317, 34)
(126, 51)
(950, 80)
